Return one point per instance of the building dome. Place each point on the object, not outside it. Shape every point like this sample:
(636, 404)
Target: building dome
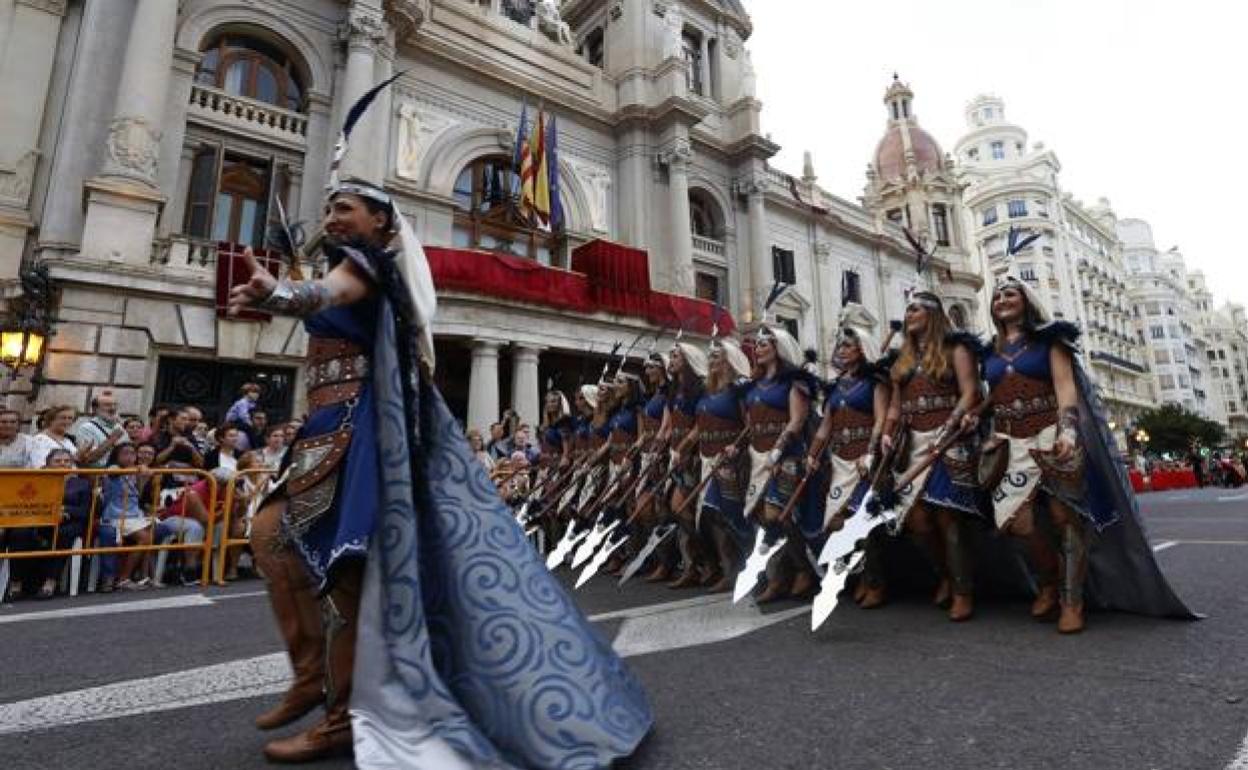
(905, 136)
(890, 154)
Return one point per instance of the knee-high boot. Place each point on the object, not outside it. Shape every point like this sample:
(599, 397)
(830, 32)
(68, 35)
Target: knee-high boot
(1044, 562)
(298, 620)
(932, 545)
(873, 570)
(961, 569)
(332, 735)
(1074, 562)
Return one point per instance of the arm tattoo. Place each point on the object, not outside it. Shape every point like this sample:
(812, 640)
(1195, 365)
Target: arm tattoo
(297, 298)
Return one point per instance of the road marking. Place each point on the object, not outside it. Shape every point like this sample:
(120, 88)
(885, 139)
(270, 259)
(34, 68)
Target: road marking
(243, 595)
(650, 629)
(1233, 498)
(1164, 545)
(248, 678)
(1211, 542)
(1240, 762)
(139, 605)
(695, 626)
(653, 609)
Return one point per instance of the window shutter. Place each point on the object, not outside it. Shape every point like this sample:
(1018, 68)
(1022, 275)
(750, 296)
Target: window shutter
(279, 189)
(202, 192)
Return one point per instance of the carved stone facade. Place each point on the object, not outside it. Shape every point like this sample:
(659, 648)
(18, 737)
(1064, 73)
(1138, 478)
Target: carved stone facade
(660, 149)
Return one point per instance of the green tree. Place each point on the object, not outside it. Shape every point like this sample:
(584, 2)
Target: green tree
(1171, 428)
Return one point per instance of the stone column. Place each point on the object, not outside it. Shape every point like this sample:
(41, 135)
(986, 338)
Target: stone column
(483, 385)
(760, 270)
(363, 32)
(124, 201)
(184, 64)
(28, 34)
(677, 159)
(525, 388)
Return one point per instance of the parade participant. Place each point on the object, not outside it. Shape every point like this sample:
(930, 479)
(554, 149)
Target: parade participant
(779, 409)
(1045, 431)
(935, 385)
(687, 367)
(654, 437)
(381, 452)
(720, 512)
(562, 499)
(854, 407)
(554, 433)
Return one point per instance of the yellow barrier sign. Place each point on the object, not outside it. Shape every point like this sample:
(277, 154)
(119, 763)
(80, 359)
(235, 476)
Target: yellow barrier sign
(30, 500)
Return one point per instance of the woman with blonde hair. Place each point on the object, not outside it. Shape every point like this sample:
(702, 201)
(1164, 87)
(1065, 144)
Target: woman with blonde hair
(935, 386)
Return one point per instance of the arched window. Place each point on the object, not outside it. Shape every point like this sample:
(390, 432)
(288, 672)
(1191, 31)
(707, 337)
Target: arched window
(957, 316)
(487, 214)
(245, 66)
(704, 219)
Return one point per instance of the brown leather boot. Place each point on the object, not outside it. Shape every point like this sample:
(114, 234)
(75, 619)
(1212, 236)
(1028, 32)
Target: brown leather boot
(1045, 563)
(1074, 561)
(331, 737)
(661, 573)
(298, 615)
(1046, 603)
(773, 592)
(873, 597)
(689, 578)
(803, 585)
(961, 572)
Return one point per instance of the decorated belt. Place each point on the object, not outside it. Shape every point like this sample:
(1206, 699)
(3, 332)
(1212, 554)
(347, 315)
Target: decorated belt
(924, 404)
(325, 348)
(1024, 418)
(849, 435)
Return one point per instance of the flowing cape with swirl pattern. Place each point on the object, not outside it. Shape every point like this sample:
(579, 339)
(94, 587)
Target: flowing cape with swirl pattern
(472, 643)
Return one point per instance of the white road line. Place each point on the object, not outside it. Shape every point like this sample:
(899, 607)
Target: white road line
(1240, 762)
(1164, 545)
(243, 595)
(138, 605)
(646, 630)
(652, 609)
(248, 678)
(1232, 498)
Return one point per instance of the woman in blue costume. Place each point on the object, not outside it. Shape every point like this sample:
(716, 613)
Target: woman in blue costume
(781, 426)
(854, 407)
(446, 636)
(562, 500)
(935, 385)
(687, 367)
(556, 436)
(1061, 488)
(650, 509)
(720, 515)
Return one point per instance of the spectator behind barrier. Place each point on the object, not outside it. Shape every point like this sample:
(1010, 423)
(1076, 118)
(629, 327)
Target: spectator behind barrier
(15, 446)
(97, 433)
(75, 509)
(123, 521)
(478, 448)
(274, 447)
(55, 422)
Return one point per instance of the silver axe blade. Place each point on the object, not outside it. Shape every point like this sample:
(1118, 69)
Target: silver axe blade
(571, 539)
(756, 565)
(856, 527)
(600, 558)
(660, 533)
(830, 589)
(596, 537)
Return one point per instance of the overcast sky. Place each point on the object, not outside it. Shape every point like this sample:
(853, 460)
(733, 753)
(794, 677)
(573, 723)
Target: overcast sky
(1142, 100)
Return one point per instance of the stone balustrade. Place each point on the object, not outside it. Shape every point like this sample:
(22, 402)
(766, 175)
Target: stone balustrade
(183, 251)
(708, 246)
(250, 116)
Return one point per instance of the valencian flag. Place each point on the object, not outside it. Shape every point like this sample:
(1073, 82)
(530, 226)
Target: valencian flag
(524, 163)
(541, 182)
(552, 161)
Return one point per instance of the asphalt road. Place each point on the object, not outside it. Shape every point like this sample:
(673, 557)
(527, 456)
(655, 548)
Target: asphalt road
(732, 688)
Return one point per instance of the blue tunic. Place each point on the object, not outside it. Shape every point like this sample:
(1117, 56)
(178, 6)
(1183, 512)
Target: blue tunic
(727, 498)
(858, 394)
(808, 513)
(344, 531)
(1033, 361)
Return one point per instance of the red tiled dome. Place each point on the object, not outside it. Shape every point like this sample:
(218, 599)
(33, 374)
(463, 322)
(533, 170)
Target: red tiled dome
(890, 154)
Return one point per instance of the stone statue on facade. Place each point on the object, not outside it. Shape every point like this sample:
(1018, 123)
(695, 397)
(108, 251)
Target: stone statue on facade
(551, 23)
(749, 78)
(408, 160)
(674, 40)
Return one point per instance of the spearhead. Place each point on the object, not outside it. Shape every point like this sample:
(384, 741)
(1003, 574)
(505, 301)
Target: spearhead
(756, 565)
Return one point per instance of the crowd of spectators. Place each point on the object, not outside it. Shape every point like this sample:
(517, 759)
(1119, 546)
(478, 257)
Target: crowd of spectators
(164, 498)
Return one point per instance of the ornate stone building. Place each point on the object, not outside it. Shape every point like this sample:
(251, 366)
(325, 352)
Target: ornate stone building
(1076, 265)
(154, 139)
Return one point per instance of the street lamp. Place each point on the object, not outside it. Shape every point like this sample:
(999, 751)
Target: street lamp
(24, 334)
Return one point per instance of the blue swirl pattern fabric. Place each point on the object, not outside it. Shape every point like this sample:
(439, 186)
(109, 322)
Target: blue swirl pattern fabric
(493, 654)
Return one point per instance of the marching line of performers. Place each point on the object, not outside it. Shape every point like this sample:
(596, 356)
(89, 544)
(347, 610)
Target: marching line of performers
(710, 467)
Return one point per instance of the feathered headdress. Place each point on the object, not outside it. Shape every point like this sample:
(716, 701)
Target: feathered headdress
(1020, 239)
(787, 348)
(1038, 312)
(411, 261)
(860, 335)
(565, 408)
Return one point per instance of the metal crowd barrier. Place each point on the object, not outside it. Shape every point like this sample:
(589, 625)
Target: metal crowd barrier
(33, 498)
(253, 497)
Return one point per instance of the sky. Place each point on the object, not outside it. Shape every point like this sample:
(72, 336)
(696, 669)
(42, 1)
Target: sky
(1141, 100)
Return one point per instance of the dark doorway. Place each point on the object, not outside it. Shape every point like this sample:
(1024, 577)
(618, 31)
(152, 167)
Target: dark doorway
(211, 387)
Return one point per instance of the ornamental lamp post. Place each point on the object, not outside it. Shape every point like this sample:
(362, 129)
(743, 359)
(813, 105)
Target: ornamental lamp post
(24, 334)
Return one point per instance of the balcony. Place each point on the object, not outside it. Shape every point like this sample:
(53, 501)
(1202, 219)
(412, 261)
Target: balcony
(248, 117)
(183, 251)
(1118, 361)
(708, 246)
